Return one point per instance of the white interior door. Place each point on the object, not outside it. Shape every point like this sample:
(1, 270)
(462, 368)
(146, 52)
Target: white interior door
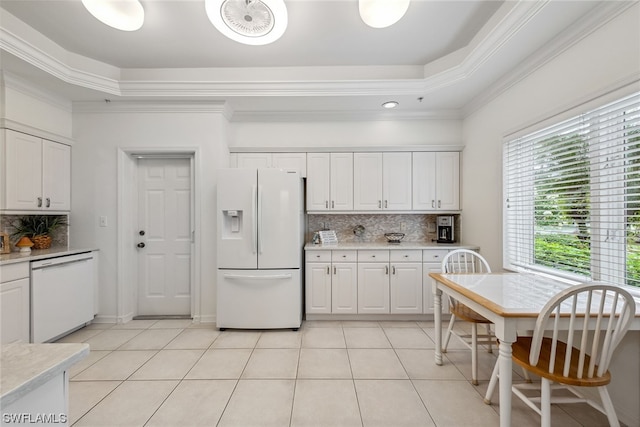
(164, 237)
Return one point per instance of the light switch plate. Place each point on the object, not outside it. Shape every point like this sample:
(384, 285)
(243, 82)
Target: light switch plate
(103, 221)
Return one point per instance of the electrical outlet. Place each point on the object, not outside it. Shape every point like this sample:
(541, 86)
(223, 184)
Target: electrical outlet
(431, 227)
(403, 227)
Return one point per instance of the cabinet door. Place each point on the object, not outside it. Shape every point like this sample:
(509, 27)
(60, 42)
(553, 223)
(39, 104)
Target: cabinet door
(396, 181)
(367, 181)
(254, 160)
(291, 162)
(406, 287)
(427, 288)
(22, 158)
(344, 288)
(318, 287)
(448, 180)
(318, 181)
(424, 181)
(373, 288)
(341, 181)
(14, 311)
(56, 176)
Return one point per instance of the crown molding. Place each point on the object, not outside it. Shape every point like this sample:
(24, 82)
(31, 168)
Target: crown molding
(108, 106)
(599, 17)
(339, 116)
(457, 66)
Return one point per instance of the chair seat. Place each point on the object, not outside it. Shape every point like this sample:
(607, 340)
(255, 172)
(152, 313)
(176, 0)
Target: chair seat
(465, 313)
(522, 347)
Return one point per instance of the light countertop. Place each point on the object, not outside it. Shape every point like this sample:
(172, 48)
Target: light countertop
(25, 367)
(385, 245)
(39, 254)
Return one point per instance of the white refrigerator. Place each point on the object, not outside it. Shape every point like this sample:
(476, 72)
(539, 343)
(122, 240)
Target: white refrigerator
(259, 253)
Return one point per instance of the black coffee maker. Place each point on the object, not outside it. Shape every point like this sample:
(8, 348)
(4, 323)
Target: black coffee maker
(445, 229)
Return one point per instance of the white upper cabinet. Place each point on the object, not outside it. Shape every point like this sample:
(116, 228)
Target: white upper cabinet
(37, 173)
(56, 176)
(396, 181)
(436, 181)
(448, 180)
(329, 181)
(382, 181)
(254, 160)
(367, 181)
(288, 161)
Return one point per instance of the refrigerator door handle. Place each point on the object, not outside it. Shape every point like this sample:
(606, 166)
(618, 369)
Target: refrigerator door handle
(259, 219)
(254, 223)
(257, 277)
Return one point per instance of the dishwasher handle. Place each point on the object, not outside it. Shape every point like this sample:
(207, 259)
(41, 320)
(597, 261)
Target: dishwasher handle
(65, 259)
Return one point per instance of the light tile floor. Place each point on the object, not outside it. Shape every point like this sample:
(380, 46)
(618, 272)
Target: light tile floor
(175, 373)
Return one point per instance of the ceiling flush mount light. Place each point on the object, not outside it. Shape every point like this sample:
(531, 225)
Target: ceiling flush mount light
(382, 13)
(390, 104)
(125, 15)
(253, 22)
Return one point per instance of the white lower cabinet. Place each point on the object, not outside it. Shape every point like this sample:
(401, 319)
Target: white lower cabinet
(318, 287)
(373, 287)
(344, 288)
(14, 303)
(406, 286)
(372, 281)
(432, 263)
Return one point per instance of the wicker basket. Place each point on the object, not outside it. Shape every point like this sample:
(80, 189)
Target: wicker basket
(41, 242)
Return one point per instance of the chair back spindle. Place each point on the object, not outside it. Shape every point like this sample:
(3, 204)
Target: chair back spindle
(597, 314)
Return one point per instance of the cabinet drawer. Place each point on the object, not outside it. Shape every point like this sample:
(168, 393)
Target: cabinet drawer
(371, 256)
(318, 256)
(405, 256)
(16, 271)
(345, 256)
(433, 255)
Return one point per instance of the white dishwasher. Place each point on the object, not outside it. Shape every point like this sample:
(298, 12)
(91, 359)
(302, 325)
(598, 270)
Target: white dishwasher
(61, 295)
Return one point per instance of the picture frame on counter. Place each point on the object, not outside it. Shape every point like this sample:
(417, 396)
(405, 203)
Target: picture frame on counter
(5, 245)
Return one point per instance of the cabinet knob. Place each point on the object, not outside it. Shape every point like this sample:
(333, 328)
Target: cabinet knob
(39, 202)
(379, 204)
(386, 204)
(433, 203)
(333, 204)
(48, 202)
(386, 269)
(141, 245)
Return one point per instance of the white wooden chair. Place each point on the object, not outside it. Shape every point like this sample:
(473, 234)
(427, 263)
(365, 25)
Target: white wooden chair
(467, 261)
(581, 359)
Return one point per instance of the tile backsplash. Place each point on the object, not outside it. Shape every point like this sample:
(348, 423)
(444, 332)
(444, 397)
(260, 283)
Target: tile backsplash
(414, 226)
(59, 236)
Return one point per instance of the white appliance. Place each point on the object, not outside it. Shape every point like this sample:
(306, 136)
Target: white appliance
(260, 239)
(62, 295)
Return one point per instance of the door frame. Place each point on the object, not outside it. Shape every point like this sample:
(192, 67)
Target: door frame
(127, 189)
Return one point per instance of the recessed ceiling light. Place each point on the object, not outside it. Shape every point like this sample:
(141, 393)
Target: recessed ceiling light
(125, 15)
(382, 13)
(252, 22)
(390, 104)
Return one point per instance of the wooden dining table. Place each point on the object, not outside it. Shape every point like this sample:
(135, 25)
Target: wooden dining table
(512, 302)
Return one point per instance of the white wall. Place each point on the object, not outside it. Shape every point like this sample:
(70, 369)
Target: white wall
(346, 133)
(596, 65)
(100, 135)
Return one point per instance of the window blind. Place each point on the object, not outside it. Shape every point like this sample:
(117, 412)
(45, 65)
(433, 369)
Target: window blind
(572, 196)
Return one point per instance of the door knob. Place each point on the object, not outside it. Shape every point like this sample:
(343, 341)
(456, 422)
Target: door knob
(141, 245)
